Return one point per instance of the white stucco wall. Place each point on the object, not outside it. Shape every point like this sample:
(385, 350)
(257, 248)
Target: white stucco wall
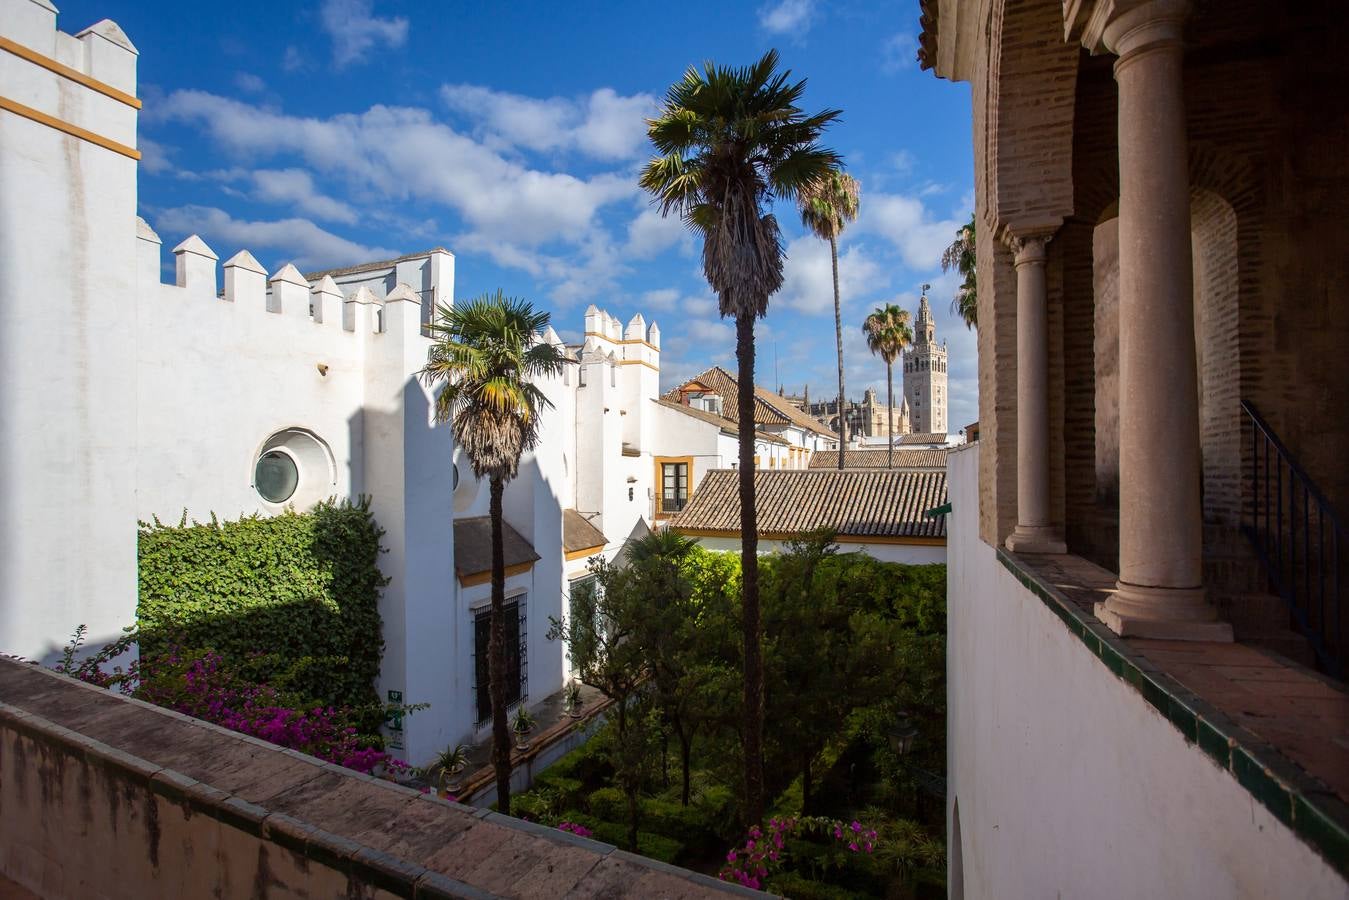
(909, 554)
(1068, 783)
(67, 339)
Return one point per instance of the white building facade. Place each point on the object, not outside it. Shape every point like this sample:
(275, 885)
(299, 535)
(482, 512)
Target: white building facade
(234, 392)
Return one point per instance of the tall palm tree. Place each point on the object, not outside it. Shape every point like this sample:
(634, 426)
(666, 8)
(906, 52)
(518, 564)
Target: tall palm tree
(730, 142)
(888, 333)
(960, 256)
(827, 206)
(486, 355)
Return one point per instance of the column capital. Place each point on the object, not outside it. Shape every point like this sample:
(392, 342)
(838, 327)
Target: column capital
(1028, 245)
(1123, 27)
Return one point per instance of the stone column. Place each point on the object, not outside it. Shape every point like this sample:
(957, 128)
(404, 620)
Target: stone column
(1034, 531)
(1160, 591)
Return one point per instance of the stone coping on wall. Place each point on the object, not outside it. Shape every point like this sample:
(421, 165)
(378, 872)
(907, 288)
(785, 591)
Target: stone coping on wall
(1305, 804)
(382, 834)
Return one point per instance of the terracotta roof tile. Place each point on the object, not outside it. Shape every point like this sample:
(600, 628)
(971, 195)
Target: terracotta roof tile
(579, 534)
(769, 408)
(905, 458)
(923, 437)
(726, 425)
(854, 502)
(473, 546)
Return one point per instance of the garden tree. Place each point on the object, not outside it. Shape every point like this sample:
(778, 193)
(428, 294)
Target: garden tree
(888, 333)
(486, 355)
(960, 256)
(827, 205)
(668, 624)
(828, 654)
(731, 141)
(599, 632)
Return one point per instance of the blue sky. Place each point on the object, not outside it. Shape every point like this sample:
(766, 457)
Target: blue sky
(332, 132)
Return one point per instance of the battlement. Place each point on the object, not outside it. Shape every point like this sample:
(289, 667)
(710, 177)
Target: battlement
(637, 343)
(286, 293)
(102, 52)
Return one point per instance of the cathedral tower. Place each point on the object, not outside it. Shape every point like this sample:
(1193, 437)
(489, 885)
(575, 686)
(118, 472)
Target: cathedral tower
(925, 374)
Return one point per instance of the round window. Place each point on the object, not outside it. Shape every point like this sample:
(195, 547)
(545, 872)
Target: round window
(276, 476)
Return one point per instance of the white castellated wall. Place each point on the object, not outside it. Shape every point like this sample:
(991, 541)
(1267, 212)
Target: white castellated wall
(618, 384)
(123, 399)
(68, 324)
(925, 375)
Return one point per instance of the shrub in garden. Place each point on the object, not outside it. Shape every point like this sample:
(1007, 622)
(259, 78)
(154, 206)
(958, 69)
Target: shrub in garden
(292, 597)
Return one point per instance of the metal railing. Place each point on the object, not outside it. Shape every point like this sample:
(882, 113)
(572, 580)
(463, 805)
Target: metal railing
(1299, 539)
(670, 503)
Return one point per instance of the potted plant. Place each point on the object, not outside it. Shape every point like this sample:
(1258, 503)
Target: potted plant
(571, 698)
(452, 761)
(523, 723)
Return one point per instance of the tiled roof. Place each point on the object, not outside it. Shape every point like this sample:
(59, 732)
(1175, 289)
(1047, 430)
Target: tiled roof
(789, 410)
(854, 502)
(372, 266)
(926, 437)
(905, 458)
(769, 408)
(726, 425)
(473, 546)
(579, 534)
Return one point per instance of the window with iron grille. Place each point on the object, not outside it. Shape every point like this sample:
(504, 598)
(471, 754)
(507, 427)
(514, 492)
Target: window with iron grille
(517, 668)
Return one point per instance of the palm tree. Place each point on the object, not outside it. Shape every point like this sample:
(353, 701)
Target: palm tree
(960, 256)
(888, 333)
(730, 142)
(486, 355)
(827, 206)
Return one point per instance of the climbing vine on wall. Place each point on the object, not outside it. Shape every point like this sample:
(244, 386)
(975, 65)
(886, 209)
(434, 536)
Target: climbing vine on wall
(294, 596)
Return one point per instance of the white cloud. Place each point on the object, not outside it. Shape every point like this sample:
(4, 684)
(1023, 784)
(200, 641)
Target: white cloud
(400, 153)
(808, 277)
(907, 224)
(293, 60)
(662, 299)
(249, 83)
(354, 30)
(650, 233)
(604, 125)
(787, 16)
(292, 240)
(154, 156)
(898, 53)
(296, 186)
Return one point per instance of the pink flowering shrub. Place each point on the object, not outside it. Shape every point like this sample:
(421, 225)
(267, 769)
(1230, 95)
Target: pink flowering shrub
(764, 852)
(205, 686)
(579, 830)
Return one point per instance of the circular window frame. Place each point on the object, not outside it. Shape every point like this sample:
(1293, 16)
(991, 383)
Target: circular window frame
(314, 464)
(295, 464)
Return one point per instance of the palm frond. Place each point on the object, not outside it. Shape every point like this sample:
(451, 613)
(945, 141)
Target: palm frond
(484, 359)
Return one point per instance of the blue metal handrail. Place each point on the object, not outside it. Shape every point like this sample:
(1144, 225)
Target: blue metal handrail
(1299, 539)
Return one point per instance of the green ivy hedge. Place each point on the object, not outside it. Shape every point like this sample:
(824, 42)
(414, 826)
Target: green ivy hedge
(294, 596)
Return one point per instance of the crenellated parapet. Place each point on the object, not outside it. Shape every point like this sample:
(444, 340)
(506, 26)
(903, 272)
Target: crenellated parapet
(286, 293)
(633, 344)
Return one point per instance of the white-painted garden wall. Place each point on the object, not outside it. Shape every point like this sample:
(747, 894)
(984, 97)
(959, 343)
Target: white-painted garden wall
(1066, 781)
(909, 554)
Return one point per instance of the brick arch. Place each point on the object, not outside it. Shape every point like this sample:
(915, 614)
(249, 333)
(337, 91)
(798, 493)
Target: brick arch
(1217, 320)
(1032, 87)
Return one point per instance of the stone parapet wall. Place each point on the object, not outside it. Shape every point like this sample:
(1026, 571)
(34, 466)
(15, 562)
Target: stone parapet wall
(105, 796)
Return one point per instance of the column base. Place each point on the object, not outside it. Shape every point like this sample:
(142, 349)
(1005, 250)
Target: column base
(1169, 614)
(1036, 539)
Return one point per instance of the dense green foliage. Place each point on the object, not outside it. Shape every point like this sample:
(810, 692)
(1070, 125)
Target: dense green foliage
(293, 597)
(852, 648)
